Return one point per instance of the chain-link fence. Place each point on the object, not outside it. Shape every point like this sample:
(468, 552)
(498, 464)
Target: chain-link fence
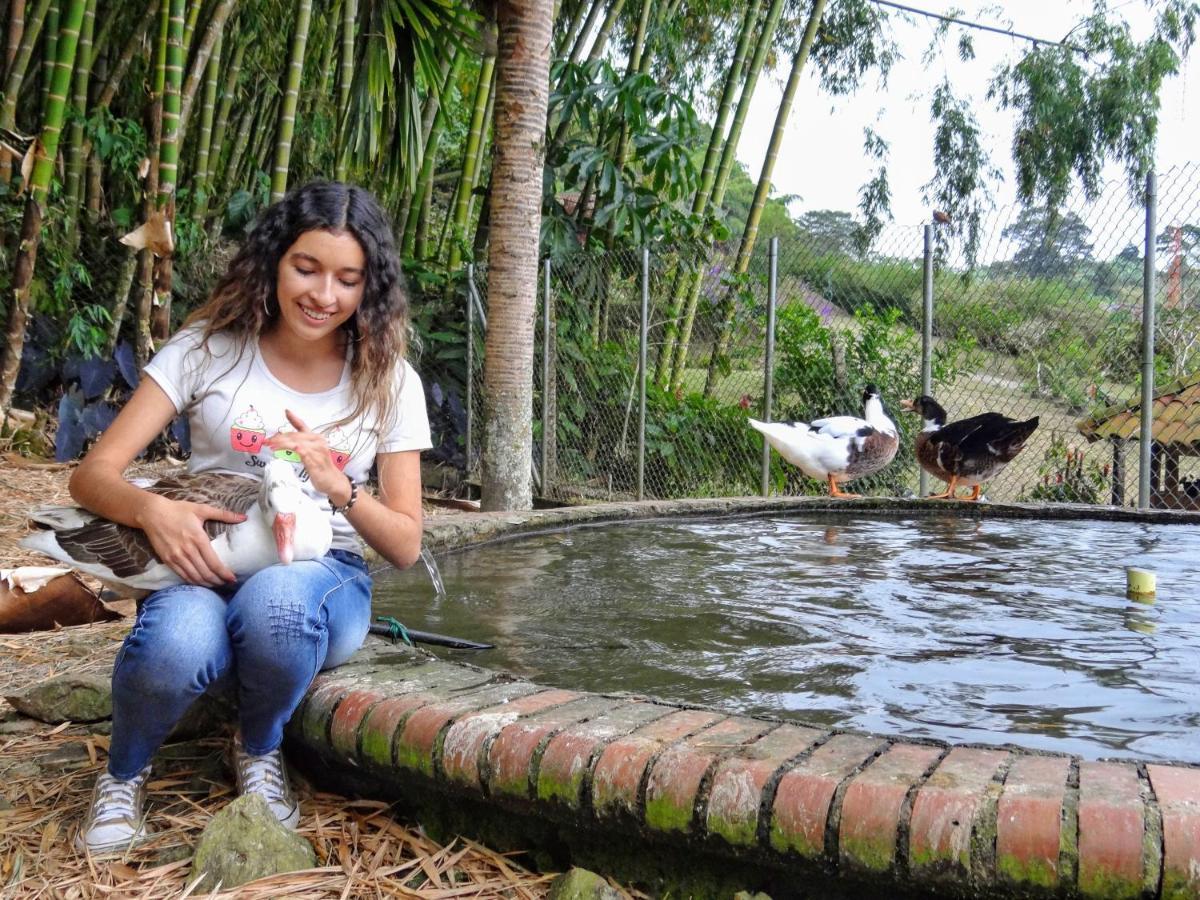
(1046, 321)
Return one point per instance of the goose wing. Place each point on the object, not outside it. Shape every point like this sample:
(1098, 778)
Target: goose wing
(127, 552)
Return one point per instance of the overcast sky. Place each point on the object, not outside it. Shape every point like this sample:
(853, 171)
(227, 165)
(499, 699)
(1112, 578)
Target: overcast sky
(821, 159)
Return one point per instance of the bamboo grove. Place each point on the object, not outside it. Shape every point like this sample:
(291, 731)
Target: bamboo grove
(140, 137)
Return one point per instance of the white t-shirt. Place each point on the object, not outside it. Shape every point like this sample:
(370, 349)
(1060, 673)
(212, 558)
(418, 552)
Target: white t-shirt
(234, 403)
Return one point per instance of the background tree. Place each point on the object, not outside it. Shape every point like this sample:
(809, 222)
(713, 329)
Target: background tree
(1048, 243)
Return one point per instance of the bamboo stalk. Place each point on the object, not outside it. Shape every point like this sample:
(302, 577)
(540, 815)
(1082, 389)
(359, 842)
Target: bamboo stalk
(39, 188)
(287, 115)
(76, 148)
(15, 77)
(728, 306)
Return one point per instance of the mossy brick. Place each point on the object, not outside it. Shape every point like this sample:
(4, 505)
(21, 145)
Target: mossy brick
(567, 757)
(619, 770)
(1178, 792)
(319, 706)
(805, 793)
(1029, 821)
(676, 775)
(378, 733)
(946, 810)
(511, 755)
(737, 785)
(1112, 822)
(466, 738)
(343, 728)
(871, 807)
(416, 745)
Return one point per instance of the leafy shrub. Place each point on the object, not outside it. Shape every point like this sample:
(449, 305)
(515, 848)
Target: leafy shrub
(1065, 476)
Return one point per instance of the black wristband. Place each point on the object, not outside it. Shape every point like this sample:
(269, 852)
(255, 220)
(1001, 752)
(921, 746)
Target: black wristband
(349, 503)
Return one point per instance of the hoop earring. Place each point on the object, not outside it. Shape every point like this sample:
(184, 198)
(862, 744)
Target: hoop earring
(266, 308)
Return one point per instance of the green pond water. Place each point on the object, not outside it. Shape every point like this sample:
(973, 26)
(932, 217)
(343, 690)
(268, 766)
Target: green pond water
(991, 630)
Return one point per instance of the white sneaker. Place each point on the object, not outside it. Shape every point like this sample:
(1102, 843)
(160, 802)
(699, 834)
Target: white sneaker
(116, 819)
(266, 776)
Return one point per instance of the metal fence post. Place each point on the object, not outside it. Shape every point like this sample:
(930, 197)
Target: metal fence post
(927, 336)
(643, 340)
(470, 364)
(1148, 292)
(769, 362)
(547, 374)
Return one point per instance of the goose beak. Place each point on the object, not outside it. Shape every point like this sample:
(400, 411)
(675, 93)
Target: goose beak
(285, 532)
(908, 405)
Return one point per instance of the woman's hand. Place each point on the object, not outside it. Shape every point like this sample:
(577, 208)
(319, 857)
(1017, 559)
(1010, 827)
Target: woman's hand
(176, 531)
(313, 450)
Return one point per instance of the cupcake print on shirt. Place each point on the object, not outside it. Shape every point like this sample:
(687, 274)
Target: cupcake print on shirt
(339, 448)
(247, 434)
(289, 455)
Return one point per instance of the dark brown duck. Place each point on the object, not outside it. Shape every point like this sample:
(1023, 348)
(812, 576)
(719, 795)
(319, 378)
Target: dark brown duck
(967, 452)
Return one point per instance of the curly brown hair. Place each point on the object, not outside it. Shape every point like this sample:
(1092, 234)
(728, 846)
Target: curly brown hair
(244, 304)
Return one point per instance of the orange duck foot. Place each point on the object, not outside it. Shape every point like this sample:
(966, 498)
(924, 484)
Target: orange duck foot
(948, 494)
(835, 491)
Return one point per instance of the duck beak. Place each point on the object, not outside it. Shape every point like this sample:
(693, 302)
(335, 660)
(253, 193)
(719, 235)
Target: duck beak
(908, 405)
(285, 531)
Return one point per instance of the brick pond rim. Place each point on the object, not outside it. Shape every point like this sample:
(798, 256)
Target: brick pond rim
(694, 802)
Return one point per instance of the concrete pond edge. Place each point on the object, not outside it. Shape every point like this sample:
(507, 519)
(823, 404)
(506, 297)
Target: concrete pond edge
(687, 801)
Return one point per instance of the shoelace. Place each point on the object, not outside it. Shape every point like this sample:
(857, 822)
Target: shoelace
(263, 775)
(116, 796)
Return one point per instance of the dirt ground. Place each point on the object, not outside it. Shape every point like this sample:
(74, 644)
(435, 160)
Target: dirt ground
(47, 772)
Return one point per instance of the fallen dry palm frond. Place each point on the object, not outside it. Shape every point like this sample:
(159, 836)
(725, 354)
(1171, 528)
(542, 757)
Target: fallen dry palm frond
(46, 777)
(363, 851)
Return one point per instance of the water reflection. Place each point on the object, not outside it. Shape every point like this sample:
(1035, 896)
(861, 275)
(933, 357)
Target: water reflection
(966, 630)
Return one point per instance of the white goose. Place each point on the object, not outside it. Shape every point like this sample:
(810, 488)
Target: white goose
(837, 448)
(282, 524)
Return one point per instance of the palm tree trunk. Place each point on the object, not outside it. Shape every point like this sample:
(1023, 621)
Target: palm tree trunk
(287, 112)
(522, 92)
(472, 163)
(728, 306)
(45, 155)
(345, 78)
(15, 77)
(73, 187)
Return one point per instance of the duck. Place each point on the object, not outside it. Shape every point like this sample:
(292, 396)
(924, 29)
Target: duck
(282, 524)
(837, 449)
(967, 452)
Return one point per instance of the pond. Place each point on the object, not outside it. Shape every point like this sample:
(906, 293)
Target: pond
(993, 630)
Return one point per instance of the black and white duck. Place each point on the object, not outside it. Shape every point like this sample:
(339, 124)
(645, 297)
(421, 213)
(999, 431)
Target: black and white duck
(837, 449)
(282, 524)
(967, 452)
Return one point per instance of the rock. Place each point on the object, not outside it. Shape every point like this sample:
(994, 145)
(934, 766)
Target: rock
(746, 895)
(66, 698)
(245, 841)
(580, 884)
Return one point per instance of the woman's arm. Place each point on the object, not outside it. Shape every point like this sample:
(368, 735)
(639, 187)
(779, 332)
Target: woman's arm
(175, 529)
(391, 524)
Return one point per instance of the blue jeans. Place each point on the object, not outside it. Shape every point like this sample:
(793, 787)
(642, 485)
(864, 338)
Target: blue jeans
(267, 637)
